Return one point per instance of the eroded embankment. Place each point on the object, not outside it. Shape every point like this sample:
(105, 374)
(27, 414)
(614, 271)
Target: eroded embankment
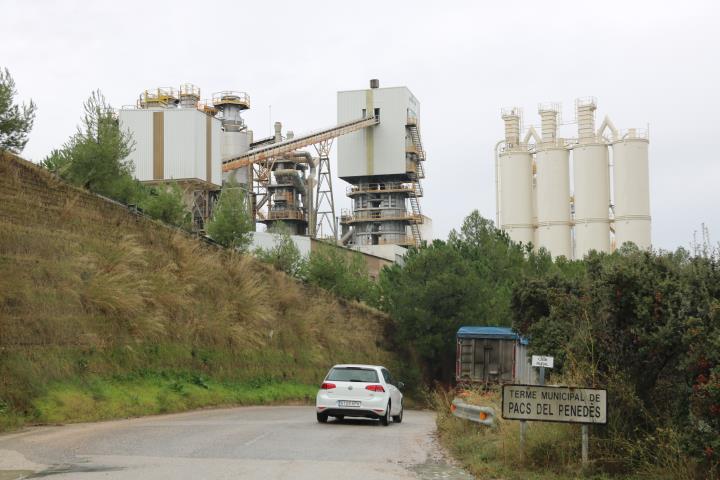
(104, 313)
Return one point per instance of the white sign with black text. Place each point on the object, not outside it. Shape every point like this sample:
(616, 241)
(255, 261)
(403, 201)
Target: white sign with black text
(542, 361)
(554, 404)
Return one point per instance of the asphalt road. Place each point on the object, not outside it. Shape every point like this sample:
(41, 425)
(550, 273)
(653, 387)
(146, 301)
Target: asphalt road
(250, 442)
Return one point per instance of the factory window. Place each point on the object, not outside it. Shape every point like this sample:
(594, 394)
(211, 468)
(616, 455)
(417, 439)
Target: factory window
(364, 113)
(377, 113)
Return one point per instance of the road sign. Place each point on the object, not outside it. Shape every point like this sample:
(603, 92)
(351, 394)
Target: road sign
(554, 404)
(542, 361)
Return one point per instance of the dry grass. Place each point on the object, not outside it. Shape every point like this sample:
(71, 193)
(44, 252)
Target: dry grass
(89, 290)
(552, 450)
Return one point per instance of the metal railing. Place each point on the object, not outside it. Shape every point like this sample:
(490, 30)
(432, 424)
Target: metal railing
(207, 106)
(231, 97)
(387, 187)
(364, 216)
(190, 89)
(630, 133)
(474, 413)
(161, 95)
(286, 215)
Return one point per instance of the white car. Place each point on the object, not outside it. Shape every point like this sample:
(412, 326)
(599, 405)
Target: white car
(367, 391)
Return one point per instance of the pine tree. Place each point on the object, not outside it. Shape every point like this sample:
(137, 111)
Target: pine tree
(16, 121)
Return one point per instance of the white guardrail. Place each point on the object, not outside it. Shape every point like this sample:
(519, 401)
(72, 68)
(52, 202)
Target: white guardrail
(483, 415)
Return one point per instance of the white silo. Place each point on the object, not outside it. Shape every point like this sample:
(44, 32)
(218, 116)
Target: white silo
(632, 190)
(516, 195)
(552, 187)
(591, 184)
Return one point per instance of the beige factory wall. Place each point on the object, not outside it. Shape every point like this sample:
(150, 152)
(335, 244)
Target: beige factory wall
(174, 143)
(378, 150)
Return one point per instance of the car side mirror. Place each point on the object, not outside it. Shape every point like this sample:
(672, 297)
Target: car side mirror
(401, 385)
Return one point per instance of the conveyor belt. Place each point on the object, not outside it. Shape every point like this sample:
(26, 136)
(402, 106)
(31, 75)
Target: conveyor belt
(287, 146)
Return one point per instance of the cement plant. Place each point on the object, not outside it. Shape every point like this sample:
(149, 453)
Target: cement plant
(205, 145)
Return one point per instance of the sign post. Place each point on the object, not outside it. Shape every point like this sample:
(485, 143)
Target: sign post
(555, 404)
(542, 361)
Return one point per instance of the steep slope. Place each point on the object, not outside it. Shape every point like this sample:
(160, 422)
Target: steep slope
(106, 313)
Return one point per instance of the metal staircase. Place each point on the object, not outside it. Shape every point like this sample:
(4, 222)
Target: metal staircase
(416, 177)
(415, 134)
(416, 212)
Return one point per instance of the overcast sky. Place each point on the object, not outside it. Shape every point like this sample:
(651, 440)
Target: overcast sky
(647, 62)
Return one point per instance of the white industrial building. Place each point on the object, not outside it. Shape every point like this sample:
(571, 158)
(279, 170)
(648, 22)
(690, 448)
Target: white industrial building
(180, 139)
(174, 144)
(556, 192)
(203, 145)
(384, 166)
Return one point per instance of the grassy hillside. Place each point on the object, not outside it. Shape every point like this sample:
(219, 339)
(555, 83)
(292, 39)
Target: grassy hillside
(104, 313)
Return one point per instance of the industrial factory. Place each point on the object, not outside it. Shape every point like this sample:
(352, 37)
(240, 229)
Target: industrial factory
(204, 146)
(557, 193)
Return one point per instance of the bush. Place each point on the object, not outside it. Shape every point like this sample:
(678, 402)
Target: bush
(165, 203)
(284, 256)
(342, 272)
(645, 326)
(232, 223)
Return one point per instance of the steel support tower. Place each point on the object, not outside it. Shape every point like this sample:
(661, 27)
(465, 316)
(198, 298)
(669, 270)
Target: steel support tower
(324, 216)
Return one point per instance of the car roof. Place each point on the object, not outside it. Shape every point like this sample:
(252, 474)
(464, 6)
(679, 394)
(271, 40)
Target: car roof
(356, 365)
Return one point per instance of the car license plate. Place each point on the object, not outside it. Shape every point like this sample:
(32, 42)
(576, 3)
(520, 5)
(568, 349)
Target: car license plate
(348, 403)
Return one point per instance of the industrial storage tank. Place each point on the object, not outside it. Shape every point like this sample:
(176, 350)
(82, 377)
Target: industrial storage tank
(515, 182)
(591, 175)
(632, 189)
(236, 138)
(534, 190)
(233, 144)
(552, 188)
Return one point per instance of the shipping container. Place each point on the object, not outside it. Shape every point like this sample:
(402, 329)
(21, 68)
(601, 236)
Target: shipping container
(492, 355)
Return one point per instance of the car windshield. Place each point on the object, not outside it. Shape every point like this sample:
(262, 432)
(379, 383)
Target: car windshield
(353, 374)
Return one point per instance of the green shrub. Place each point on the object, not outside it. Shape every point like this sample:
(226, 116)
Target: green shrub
(232, 222)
